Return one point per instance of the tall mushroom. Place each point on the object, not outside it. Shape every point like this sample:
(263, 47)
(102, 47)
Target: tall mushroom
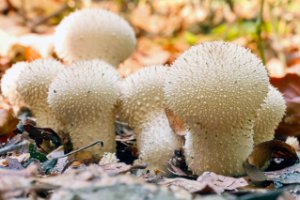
(269, 116)
(94, 34)
(217, 88)
(143, 105)
(83, 96)
(31, 87)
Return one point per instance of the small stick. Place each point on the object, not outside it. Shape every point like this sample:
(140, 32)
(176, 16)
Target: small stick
(80, 149)
(13, 147)
(260, 23)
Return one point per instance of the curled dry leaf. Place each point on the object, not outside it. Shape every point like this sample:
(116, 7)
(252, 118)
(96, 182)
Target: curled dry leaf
(272, 155)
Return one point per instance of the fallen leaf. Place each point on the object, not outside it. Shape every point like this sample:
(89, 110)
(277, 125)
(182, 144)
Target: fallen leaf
(272, 155)
(289, 86)
(8, 121)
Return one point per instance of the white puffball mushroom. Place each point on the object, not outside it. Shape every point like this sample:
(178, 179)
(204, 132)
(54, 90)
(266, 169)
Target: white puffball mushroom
(32, 87)
(83, 96)
(94, 34)
(9, 83)
(217, 88)
(269, 116)
(143, 107)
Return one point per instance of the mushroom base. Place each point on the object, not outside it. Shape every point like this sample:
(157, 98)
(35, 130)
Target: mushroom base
(156, 141)
(220, 151)
(86, 134)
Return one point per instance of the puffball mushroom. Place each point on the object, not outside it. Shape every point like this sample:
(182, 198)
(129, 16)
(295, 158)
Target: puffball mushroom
(9, 83)
(94, 34)
(143, 106)
(83, 96)
(269, 116)
(32, 86)
(217, 88)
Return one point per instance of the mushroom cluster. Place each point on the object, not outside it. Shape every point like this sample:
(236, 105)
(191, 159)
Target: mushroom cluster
(220, 90)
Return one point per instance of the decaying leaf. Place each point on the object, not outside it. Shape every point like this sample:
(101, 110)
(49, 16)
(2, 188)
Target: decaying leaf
(8, 121)
(208, 182)
(272, 155)
(176, 123)
(289, 86)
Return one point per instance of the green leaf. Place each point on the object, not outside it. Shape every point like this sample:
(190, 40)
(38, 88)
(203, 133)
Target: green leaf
(35, 154)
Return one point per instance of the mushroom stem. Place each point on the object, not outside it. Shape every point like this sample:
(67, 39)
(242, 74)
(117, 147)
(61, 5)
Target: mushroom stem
(211, 143)
(93, 132)
(155, 136)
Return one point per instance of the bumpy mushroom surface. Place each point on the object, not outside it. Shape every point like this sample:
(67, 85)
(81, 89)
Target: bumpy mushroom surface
(32, 88)
(269, 116)
(82, 96)
(143, 106)
(94, 34)
(217, 88)
(9, 83)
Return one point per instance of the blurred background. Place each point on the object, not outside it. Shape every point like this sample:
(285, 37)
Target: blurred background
(164, 28)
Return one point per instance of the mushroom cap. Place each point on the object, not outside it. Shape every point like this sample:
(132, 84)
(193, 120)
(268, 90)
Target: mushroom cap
(216, 84)
(9, 83)
(84, 92)
(269, 116)
(142, 93)
(94, 34)
(34, 82)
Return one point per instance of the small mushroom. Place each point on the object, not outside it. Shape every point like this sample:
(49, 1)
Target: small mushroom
(9, 83)
(269, 116)
(94, 34)
(83, 96)
(143, 106)
(31, 85)
(217, 88)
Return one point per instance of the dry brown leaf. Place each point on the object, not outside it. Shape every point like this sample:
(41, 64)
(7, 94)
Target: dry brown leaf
(225, 183)
(289, 86)
(208, 182)
(8, 121)
(176, 123)
(272, 155)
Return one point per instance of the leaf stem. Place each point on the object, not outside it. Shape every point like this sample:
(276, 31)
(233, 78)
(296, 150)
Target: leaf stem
(259, 27)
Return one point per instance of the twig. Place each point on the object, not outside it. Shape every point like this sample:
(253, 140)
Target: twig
(80, 149)
(259, 26)
(13, 147)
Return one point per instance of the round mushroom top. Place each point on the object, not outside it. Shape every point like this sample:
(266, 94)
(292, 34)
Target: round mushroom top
(142, 93)
(34, 81)
(9, 83)
(94, 34)
(269, 116)
(84, 92)
(216, 84)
